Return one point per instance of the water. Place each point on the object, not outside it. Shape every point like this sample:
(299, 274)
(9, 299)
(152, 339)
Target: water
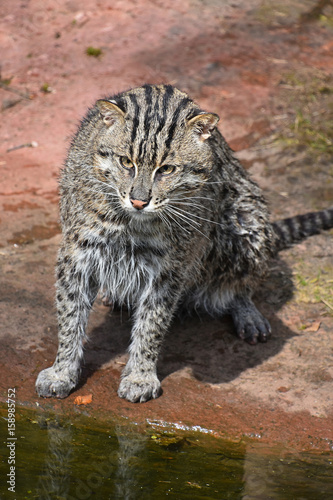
(84, 459)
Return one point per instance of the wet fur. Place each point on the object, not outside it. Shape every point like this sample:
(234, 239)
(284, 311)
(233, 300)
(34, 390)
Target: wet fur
(203, 238)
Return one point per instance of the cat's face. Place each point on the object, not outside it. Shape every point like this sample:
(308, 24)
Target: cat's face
(149, 162)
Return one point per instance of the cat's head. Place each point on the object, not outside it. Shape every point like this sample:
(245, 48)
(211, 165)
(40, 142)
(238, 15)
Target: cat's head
(153, 146)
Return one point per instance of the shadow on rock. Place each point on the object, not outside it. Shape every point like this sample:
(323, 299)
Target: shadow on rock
(207, 346)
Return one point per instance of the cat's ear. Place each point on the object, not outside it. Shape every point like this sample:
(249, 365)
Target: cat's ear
(110, 112)
(203, 124)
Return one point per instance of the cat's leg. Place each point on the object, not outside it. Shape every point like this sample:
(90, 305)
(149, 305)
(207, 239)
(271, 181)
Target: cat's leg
(152, 318)
(250, 324)
(75, 296)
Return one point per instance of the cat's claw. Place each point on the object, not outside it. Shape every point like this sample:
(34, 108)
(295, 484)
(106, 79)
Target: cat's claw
(251, 325)
(138, 388)
(51, 384)
(253, 333)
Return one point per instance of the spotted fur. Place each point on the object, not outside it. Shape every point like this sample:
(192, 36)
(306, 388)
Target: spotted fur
(158, 213)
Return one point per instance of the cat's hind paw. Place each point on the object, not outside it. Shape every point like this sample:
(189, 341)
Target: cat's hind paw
(139, 388)
(250, 324)
(49, 383)
(253, 329)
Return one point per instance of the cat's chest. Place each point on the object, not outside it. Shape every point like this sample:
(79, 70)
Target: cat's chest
(130, 265)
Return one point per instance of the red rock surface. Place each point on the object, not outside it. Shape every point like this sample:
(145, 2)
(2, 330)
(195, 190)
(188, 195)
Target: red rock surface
(233, 58)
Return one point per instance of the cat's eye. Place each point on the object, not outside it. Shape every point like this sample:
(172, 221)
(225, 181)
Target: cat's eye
(166, 169)
(126, 163)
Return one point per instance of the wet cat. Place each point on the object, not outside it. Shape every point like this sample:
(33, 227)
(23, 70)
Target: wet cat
(157, 212)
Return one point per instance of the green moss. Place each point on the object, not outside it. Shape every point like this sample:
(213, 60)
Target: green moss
(269, 12)
(309, 97)
(326, 21)
(6, 81)
(314, 135)
(93, 51)
(325, 89)
(314, 286)
(301, 280)
(46, 88)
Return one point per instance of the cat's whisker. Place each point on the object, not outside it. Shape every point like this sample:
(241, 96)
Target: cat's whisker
(187, 194)
(165, 221)
(176, 213)
(190, 204)
(103, 190)
(183, 198)
(193, 197)
(111, 195)
(106, 184)
(201, 218)
(191, 201)
(178, 210)
(170, 214)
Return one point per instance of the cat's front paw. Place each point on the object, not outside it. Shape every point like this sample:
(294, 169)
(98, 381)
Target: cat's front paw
(139, 388)
(50, 383)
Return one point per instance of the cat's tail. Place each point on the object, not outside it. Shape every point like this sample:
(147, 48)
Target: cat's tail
(297, 228)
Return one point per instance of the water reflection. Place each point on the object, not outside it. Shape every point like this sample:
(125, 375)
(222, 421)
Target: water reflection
(290, 475)
(54, 480)
(122, 463)
(58, 460)
(131, 451)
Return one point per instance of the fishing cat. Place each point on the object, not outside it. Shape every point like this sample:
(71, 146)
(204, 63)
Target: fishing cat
(157, 212)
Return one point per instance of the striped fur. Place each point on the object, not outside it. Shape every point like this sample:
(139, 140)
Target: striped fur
(157, 213)
(300, 227)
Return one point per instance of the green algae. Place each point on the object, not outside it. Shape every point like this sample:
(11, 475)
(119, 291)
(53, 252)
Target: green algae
(83, 458)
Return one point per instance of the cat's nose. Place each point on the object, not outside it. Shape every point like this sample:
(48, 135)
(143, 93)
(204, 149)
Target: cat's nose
(139, 204)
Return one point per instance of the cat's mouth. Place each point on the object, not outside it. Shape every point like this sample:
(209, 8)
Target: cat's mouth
(143, 214)
(142, 208)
